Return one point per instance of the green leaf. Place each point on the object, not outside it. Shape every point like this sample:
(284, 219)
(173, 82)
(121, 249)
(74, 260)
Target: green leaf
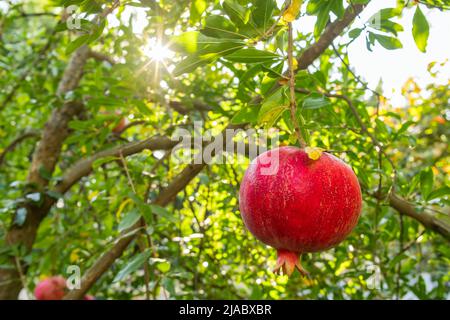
(262, 13)
(161, 264)
(187, 42)
(189, 64)
(273, 107)
(97, 31)
(195, 42)
(251, 55)
(388, 26)
(304, 131)
(438, 193)
(164, 266)
(144, 209)
(248, 114)
(314, 6)
(54, 194)
(44, 173)
(163, 212)
(196, 10)
(354, 33)
(208, 54)
(274, 71)
(387, 42)
(133, 265)
(322, 20)
(220, 27)
(315, 101)
(404, 127)
(337, 7)
(78, 42)
(383, 15)
(237, 13)
(426, 182)
(129, 220)
(99, 162)
(420, 30)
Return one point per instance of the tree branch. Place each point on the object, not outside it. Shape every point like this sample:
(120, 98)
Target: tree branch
(101, 57)
(164, 198)
(333, 30)
(293, 100)
(13, 144)
(182, 109)
(428, 220)
(84, 167)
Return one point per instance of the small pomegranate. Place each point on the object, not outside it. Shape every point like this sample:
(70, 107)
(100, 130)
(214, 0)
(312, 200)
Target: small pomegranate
(300, 205)
(52, 288)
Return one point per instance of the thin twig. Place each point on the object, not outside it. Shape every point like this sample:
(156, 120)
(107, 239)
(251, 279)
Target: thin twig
(357, 78)
(127, 172)
(293, 102)
(443, 7)
(364, 128)
(16, 142)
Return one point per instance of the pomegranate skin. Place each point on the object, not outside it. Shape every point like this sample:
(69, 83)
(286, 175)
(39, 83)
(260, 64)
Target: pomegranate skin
(306, 206)
(52, 288)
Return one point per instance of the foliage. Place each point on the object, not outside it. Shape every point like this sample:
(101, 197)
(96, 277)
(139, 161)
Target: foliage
(226, 54)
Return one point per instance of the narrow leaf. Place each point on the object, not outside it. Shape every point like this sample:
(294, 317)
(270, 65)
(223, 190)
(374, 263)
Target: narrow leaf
(420, 30)
(133, 265)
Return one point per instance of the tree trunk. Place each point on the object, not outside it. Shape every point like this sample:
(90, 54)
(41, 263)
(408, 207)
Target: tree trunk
(45, 158)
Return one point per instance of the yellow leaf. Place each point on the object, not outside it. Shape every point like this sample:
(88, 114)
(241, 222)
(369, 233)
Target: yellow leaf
(294, 64)
(84, 234)
(121, 207)
(292, 11)
(92, 195)
(43, 277)
(314, 153)
(74, 255)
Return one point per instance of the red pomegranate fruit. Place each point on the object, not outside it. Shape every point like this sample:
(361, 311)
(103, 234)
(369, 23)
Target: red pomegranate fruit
(300, 205)
(52, 288)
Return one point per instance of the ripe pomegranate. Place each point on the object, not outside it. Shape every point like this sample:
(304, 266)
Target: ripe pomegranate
(52, 288)
(304, 206)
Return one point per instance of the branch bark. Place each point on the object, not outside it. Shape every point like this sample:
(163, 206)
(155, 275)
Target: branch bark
(164, 198)
(333, 30)
(101, 57)
(428, 220)
(44, 159)
(84, 167)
